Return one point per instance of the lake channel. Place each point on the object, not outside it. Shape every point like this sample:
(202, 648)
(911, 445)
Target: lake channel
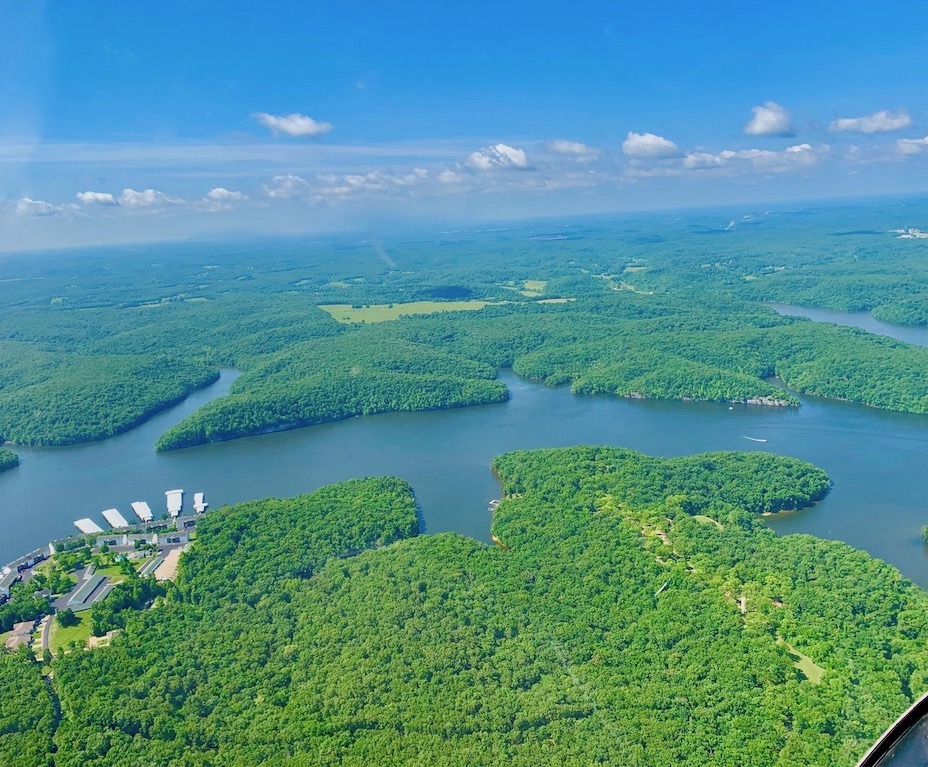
(876, 459)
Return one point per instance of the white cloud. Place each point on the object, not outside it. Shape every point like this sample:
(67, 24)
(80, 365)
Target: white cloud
(147, 198)
(220, 199)
(912, 146)
(332, 185)
(224, 195)
(648, 145)
(286, 186)
(29, 207)
(879, 122)
(793, 157)
(293, 124)
(578, 151)
(449, 177)
(771, 119)
(498, 156)
(96, 198)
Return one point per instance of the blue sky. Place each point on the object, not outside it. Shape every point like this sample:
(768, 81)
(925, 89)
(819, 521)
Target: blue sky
(131, 121)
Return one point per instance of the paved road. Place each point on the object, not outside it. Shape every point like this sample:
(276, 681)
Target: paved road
(46, 632)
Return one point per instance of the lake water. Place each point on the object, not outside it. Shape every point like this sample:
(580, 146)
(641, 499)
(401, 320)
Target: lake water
(876, 459)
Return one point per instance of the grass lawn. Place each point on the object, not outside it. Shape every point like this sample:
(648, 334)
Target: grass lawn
(347, 314)
(61, 637)
(111, 571)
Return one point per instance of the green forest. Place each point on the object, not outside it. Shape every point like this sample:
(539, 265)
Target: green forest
(8, 459)
(94, 342)
(637, 612)
(654, 347)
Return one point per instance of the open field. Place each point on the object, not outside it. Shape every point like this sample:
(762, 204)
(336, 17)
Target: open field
(533, 288)
(348, 314)
(62, 636)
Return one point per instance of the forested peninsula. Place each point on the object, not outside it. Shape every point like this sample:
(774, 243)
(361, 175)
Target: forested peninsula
(8, 459)
(638, 612)
(621, 344)
(93, 343)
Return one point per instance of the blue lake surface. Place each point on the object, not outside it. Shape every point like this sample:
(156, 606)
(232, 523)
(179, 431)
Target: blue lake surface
(876, 459)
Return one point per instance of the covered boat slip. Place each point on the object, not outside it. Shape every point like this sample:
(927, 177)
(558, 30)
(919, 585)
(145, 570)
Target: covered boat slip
(142, 511)
(87, 526)
(175, 499)
(115, 519)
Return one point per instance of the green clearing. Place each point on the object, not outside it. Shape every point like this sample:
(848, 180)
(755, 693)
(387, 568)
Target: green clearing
(708, 521)
(810, 669)
(533, 288)
(348, 314)
(62, 636)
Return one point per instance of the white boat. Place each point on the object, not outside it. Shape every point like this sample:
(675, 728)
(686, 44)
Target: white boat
(753, 439)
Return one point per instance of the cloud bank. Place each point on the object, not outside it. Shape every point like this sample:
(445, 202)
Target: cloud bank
(912, 146)
(880, 122)
(574, 149)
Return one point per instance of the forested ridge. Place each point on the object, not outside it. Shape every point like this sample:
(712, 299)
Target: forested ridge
(93, 342)
(626, 345)
(639, 614)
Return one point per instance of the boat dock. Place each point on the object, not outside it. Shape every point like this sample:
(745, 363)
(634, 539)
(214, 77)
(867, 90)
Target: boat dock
(142, 511)
(87, 526)
(175, 499)
(199, 505)
(115, 519)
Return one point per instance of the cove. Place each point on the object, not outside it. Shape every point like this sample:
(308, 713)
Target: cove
(876, 460)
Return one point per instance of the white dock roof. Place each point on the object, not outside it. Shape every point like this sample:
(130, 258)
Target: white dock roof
(175, 501)
(142, 511)
(115, 518)
(199, 505)
(87, 526)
